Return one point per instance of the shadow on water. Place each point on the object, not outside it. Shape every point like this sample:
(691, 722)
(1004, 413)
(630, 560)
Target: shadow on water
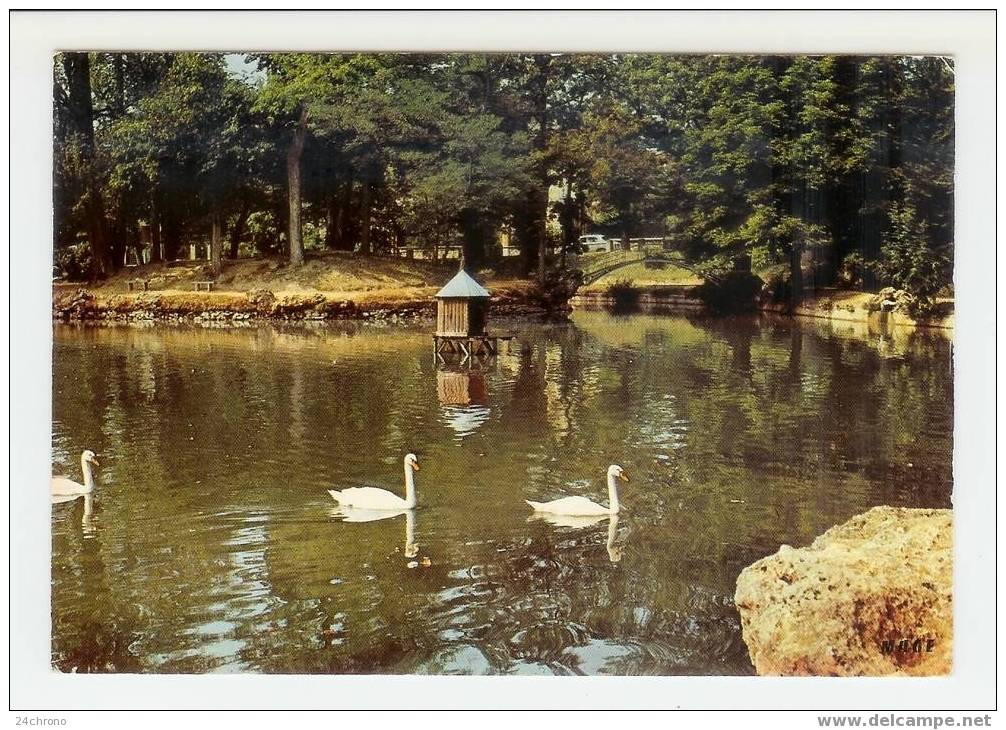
(212, 544)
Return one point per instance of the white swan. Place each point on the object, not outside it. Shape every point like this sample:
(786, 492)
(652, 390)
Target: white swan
(581, 506)
(62, 489)
(371, 498)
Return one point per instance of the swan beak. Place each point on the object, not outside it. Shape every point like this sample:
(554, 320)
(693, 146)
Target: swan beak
(94, 460)
(623, 476)
(415, 466)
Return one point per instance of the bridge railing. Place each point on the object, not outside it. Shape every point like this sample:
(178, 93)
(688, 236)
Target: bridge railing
(595, 265)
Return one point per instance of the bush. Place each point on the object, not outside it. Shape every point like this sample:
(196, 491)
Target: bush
(735, 292)
(623, 293)
(73, 262)
(776, 286)
(850, 272)
(558, 288)
(910, 263)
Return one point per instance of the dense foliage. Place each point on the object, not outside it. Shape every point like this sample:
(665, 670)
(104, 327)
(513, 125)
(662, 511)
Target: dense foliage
(819, 170)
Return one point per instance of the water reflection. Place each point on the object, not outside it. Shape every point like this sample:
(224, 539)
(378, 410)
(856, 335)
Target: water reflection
(86, 510)
(464, 398)
(740, 434)
(578, 522)
(350, 514)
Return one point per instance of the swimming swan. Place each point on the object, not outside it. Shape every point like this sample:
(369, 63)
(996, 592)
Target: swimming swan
(371, 498)
(62, 489)
(581, 506)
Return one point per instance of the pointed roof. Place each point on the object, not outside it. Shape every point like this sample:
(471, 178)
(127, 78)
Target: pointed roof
(462, 286)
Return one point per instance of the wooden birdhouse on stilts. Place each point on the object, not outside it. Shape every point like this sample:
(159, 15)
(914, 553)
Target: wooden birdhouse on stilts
(462, 313)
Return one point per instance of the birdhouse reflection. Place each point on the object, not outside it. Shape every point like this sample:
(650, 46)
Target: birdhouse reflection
(462, 388)
(464, 399)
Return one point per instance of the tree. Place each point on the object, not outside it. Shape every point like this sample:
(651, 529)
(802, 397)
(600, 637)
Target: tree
(191, 139)
(802, 165)
(294, 82)
(76, 156)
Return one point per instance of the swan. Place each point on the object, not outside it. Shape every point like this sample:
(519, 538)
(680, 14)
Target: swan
(62, 489)
(371, 498)
(581, 506)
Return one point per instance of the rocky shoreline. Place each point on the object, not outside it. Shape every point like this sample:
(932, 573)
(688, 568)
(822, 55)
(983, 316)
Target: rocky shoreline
(870, 597)
(886, 308)
(78, 304)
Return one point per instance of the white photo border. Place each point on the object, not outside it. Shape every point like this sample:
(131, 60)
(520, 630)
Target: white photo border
(968, 36)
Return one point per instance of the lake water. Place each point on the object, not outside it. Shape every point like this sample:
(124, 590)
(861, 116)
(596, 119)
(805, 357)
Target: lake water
(212, 543)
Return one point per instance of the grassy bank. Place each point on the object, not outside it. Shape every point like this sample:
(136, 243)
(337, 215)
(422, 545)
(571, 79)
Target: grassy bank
(332, 286)
(350, 286)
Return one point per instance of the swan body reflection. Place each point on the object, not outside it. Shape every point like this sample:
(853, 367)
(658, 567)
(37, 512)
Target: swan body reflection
(615, 551)
(583, 507)
(350, 514)
(372, 498)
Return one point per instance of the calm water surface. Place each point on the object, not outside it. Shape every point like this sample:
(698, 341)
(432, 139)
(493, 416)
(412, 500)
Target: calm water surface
(212, 545)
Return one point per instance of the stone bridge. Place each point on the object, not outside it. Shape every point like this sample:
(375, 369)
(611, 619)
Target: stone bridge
(595, 265)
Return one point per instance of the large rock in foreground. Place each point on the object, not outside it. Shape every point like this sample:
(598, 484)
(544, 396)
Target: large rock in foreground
(872, 596)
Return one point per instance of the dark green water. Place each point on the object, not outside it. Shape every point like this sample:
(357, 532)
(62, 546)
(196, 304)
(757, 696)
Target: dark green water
(212, 545)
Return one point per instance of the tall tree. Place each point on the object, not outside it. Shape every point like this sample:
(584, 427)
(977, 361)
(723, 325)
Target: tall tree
(76, 147)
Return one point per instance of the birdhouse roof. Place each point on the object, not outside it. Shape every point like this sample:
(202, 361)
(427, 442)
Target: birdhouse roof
(462, 286)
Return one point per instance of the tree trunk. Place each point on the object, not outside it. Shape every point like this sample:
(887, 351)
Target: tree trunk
(526, 232)
(171, 234)
(543, 63)
(239, 229)
(330, 218)
(293, 155)
(282, 214)
(365, 206)
(795, 275)
(118, 242)
(472, 242)
(155, 232)
(543, 239)
(216, 244)
(344, 216)
(81, 112)
(566, 221)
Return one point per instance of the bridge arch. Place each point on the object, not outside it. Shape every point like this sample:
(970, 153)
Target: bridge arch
(594, 266)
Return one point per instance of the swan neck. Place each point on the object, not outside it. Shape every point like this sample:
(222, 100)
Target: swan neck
(613, 494)
(410, 487)
(85, 466)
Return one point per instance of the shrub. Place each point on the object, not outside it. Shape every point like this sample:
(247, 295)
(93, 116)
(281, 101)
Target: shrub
(736, 291)
(73, 262)
(623, 293)
(910, 263)
(558, 288)
(850, 273)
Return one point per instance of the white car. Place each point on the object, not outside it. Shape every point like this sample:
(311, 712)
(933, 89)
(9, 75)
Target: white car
(594, 242)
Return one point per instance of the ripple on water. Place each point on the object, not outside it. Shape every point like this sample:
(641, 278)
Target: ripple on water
(211, 511)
